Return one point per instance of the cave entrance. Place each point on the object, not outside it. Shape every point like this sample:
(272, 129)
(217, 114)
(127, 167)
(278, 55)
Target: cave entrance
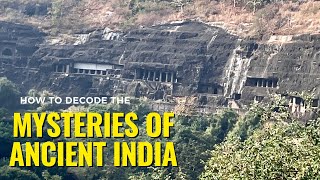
(7, 52)
(262, 82)
(59, 68)
(151, 75)
(258, 98)
(210, 89)
(236, 96)
(215, 90)
(315, 103)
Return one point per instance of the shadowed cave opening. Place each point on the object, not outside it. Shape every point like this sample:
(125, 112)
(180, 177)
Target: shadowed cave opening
(7, 52)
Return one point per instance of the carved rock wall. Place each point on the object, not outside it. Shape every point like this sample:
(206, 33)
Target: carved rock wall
(163, 62)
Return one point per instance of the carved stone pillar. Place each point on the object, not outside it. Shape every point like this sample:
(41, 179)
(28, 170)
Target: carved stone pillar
(166, 77)
(148, 78)
(68, 68)
(144, 74)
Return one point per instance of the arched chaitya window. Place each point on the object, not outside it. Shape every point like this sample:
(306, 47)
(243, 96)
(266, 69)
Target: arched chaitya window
(7, 52)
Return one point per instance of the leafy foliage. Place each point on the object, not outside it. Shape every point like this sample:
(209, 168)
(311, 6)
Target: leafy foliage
(278, 151)
(193, 137)
(267, 144)
(9, 173)
(5, 139)
(8, 93)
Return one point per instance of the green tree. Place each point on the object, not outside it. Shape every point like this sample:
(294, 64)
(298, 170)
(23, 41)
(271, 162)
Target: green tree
(6, 139)
(46, 175)
(12, 173)
(194, 136)
(272, 145)
(259, 113)
(9, 94)
(278, 151)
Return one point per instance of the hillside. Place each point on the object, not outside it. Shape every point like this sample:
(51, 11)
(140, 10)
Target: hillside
(242, 78)
(255, 18)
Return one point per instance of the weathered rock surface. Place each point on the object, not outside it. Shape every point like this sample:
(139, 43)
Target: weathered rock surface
(163, 62)
(30, 8)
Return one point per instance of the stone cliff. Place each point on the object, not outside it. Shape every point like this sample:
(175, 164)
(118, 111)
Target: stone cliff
(170, 62)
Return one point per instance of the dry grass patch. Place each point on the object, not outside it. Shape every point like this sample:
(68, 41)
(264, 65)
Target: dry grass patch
(86, 15)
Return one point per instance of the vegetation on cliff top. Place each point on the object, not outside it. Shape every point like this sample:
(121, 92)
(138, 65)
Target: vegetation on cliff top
(244, 17)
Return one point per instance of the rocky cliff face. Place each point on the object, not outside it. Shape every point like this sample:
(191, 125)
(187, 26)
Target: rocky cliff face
(18, 43)
(166, 62)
